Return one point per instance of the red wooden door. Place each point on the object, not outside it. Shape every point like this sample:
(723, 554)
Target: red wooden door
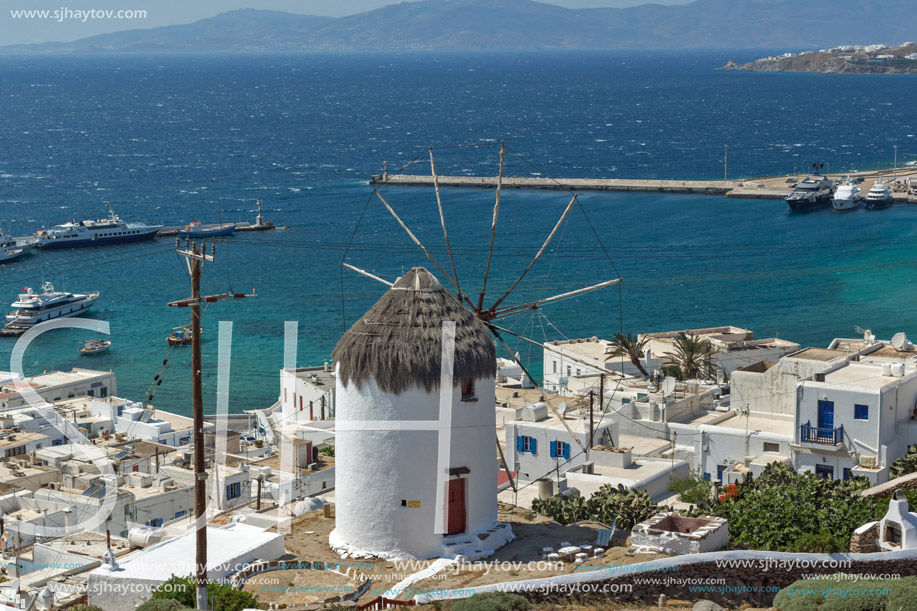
(456, 507)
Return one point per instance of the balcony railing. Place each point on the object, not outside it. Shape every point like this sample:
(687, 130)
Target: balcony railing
(827, 436)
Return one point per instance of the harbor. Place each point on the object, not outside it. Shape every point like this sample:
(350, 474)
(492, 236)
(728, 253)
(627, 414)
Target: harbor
(766, 187)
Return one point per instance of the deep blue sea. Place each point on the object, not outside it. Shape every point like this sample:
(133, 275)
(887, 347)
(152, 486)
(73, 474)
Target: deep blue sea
(167, 138)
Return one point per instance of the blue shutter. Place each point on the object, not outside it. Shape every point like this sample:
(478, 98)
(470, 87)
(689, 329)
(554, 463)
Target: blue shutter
(553, 449)
(567, 451)
(534, 446)
(519, 444)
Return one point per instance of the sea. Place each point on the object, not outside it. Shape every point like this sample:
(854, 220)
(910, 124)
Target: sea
(166, 139)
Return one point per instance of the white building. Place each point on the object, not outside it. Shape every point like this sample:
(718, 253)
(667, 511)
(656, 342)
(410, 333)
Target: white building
(539, 445)
(399, 493)
(306, 394)
(129, 583)
(56, 386)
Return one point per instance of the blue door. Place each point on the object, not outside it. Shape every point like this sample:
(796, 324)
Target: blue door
(826, 414)
(720, 469)
(826, 471)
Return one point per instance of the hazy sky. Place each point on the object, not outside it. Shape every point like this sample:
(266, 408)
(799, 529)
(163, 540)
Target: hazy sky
(168, 12)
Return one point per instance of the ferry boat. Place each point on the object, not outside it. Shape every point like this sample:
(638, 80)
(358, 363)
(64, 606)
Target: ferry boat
(96, 233)
(196, 230)
(848, 196)
(10, 254)
(25, 244)
(811, 193)
(880, 196)
(32, 309)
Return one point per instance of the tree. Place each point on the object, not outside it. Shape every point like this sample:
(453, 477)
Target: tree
(692, 356)
(906, 464)
(631, 347)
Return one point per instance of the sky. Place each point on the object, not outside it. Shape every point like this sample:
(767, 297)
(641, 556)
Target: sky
(68, 20)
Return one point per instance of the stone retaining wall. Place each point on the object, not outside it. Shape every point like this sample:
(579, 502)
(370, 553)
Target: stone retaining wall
(887, 490)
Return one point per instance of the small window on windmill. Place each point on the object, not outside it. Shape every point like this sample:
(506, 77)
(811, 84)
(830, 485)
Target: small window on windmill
(468, 390)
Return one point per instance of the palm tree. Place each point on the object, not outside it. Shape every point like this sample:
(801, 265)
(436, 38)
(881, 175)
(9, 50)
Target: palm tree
(693, 357)
(631, 347)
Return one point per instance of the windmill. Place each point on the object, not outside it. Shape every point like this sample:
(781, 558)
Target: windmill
(489, 309)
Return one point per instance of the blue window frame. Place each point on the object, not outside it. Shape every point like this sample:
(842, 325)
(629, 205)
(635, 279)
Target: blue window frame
(860, 412)
(524, 443)
(57, 442)
(233, 491)
(848, 474)
(707, 476)
(155, 523)
(826, 471)
(560, 449)
(180, 514)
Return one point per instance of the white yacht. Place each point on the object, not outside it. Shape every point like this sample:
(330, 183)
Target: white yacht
(96, 233)
(32, 308)
(848, 196)
(25, 244)
(880, 196)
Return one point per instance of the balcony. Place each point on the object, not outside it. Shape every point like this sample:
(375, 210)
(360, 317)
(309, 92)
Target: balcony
(822, 436)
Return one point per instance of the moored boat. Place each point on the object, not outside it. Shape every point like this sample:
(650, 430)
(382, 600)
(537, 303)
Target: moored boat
(181, 336)
(96, 233)
(879, 196)
(32, 308)
(848, 196)
(25, 244)
(10, 254)
(812, 193)
(197, 230)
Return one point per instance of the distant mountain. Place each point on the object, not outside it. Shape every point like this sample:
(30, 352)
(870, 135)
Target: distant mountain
(523, 24)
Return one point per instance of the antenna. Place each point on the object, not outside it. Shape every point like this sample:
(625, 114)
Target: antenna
(668, 385)
(899, 341)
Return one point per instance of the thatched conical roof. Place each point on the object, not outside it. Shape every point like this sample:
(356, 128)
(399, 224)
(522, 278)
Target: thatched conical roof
(398, 342)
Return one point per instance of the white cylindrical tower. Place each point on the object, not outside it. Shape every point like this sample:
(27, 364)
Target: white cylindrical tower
(396, 495)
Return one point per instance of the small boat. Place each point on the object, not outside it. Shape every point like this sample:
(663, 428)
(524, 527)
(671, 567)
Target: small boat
(93, 346)
(196, 230)
(848, 196)
(10, 254)
(180, 336)
(880, 196)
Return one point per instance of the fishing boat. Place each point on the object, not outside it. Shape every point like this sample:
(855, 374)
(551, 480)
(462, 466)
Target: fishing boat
(181, 336)
(95, 233)
(32, 308)
(197, 230)
(93, 346)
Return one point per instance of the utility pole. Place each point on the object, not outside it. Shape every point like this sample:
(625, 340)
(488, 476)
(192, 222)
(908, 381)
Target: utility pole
(195, 257)
(591, 429)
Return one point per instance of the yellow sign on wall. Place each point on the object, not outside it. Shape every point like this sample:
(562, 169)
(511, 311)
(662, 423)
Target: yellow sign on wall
(414, 504)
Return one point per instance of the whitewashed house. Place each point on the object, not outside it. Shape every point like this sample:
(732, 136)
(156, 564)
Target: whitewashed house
(306, 394)
(56, 386)
(399, 493)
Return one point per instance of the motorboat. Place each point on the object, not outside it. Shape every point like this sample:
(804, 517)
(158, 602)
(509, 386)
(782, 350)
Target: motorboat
(32, 308)
(197, 230)
(848, 196)
(100, 232)
(181, 336)
(10, 254)
(93, 346)
(879, 196)
(811, 193)
(25, 244)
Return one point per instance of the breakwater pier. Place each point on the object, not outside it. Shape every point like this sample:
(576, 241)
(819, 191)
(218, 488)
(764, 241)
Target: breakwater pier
(770, 187)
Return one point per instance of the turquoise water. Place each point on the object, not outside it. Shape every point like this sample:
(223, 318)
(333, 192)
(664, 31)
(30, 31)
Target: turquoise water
(166, 138)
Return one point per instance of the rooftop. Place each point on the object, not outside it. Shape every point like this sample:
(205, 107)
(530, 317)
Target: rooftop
(818, 354)
(863, 375)
(52, 379)
(316, 375)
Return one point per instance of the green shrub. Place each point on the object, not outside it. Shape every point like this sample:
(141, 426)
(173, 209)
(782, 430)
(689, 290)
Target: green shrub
(629, 507)
(820, 543)
(223, 596)
(776, 510)
(84, 607)
(904, 465)
(692, 489)
(837, 593)
(493, 601)
(162, 604)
